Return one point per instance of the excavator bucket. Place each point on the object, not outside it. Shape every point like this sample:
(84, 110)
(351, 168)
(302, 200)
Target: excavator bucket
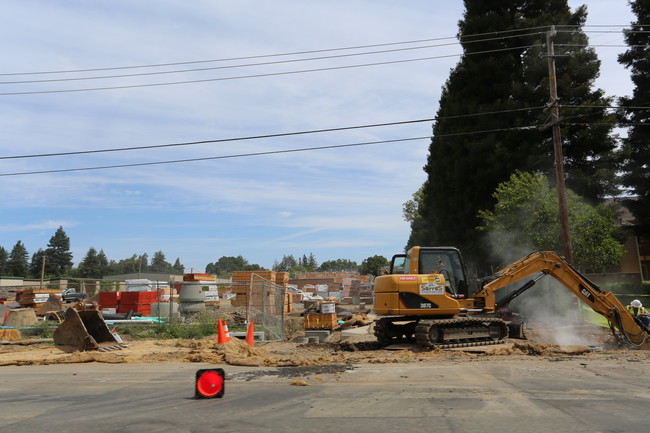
(84, 330)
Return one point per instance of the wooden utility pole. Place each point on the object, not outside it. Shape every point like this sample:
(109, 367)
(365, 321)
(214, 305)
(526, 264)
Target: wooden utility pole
(557, 147)
(42, 270)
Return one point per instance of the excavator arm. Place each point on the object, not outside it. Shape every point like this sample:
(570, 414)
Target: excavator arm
(622, 323)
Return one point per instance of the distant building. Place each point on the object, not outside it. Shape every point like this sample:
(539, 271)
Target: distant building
(635, 266)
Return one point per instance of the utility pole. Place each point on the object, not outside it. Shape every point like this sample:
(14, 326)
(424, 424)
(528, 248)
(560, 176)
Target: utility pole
(557, 147)
(42, 270)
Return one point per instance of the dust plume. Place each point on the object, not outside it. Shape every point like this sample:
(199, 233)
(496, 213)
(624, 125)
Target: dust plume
(553, 313)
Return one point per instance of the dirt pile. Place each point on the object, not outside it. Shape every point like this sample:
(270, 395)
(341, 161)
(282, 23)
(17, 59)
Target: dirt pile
(539, 349)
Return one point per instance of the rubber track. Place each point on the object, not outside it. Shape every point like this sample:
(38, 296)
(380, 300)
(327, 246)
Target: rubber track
(422, 331)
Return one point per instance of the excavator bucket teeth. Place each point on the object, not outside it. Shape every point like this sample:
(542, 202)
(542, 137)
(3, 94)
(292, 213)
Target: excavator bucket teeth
(82, 330)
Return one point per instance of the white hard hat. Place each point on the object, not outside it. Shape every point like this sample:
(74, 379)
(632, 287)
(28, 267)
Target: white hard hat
(636, 303)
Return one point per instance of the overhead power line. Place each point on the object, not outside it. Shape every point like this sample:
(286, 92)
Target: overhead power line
(295, 53)
(272, 74)
(272, 152)
(276, 62)
(264, 136)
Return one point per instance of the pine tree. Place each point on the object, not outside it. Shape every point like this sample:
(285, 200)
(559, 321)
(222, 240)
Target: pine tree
(58, 256)
(17, 265)
(103, 263)
(90, 266)
(178, 267)
(4, 256)
(159, 263)
(637, 144)
(503, 73)
(36, 264)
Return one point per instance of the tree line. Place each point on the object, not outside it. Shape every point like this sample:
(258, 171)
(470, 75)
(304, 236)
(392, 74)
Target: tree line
(492, 137)
(226, 265)
(56, 261)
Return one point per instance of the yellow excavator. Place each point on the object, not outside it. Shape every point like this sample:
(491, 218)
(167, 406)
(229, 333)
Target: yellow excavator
(426, 297)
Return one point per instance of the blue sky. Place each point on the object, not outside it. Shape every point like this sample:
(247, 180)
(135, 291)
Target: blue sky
(335, 203)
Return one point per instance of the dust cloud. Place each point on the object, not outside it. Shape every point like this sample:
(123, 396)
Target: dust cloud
(553, 313)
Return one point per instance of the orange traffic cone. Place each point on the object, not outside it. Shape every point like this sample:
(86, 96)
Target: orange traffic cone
(221, 333)
(226, 332)
(250, 334)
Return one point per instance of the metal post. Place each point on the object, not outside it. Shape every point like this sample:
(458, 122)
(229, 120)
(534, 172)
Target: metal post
(557, 147)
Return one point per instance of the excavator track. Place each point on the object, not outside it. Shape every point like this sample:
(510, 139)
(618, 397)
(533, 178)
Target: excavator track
(460, 332)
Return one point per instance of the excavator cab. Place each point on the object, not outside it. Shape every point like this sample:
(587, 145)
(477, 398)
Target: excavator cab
(445, 261)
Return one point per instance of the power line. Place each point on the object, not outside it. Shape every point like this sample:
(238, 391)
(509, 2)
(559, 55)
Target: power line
(625, 107)
(272, 152)
(277, 62)
(597, 46)
(295, 53)
(276, 135)
(272, 74)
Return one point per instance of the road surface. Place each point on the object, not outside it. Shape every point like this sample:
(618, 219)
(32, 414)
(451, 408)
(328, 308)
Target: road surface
(499, 395)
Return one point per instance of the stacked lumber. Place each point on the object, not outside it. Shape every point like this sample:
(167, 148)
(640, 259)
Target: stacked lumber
(199, 277)
(320, 321)
(251, 291)
(34, 298)
(282, 279)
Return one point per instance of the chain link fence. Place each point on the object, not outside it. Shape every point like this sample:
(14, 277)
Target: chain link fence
(263, 302)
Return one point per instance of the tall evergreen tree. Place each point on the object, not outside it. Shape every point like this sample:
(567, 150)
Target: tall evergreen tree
(36, 264)
(103, 263)
(17, 265)
(502, 71)
(58, 255)
(178, 267)
(90, 266)
(4, 256)
(637, 144)
(159, 263)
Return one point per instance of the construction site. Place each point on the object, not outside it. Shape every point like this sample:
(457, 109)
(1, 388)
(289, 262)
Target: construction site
(337, 352)
(406, 316)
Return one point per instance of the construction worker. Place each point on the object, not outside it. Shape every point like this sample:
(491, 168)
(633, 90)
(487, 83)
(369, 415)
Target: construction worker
(636, 309)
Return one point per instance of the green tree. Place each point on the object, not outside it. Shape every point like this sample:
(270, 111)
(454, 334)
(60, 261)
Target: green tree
(338, 265)
(286, 264)
(159, 263)
(102, 260)
(17, 265)
(311, 262)
(372, 265)
(636, 145)
(506, 74)
(226, 265)
(36, 264)
(4, 256)
(178, 268)
(58, 257)
(525, 219)
(90, 266)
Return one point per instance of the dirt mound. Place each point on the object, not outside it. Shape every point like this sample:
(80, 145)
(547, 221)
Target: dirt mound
(539, 349)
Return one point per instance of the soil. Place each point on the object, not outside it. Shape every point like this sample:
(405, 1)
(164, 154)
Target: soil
(358, 347)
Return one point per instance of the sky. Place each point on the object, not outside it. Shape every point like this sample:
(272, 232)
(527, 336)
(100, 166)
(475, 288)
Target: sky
(341, 202)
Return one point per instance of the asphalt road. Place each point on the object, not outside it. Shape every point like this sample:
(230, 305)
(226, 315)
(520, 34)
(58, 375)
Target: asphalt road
(500, 395)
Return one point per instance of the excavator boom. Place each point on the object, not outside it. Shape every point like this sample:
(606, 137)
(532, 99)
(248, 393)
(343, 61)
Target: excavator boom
(622, 323)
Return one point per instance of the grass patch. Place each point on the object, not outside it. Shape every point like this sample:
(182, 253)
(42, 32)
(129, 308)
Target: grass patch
(200, 326)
